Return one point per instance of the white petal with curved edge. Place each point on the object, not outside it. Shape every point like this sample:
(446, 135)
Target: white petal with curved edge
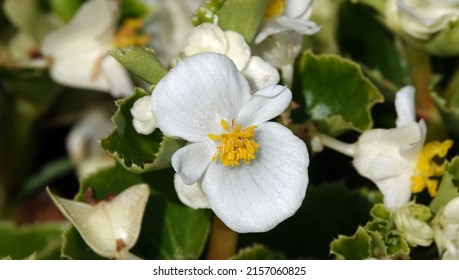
(117, 77)
(283, 23)
(192, 99)
(94, 22)
(264, 105)
(191, 161)
(238, 50)
(144, 127)
(258, 196)
(298, 9)
(206, 37)
(260, 73)
(191, 195)
(80, 71)
(141, 110)
(108, 221)
(404, 106)
(396, 190)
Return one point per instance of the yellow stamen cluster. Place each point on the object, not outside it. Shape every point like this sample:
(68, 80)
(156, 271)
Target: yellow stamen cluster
(426, 167)
(130, 34)
(236, 145)
(275, 8)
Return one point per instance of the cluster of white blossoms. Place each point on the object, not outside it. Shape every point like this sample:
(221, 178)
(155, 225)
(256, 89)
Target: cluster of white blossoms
(252, 173)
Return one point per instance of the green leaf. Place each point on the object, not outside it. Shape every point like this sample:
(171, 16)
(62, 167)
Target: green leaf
(65, 9)
(448, 188)
(170, 230)
(142, 62)
(356, 247)
(333, 91)
(258, 252)
(448, 110)
(19, 242)
(134, 9)
(138, 152)
(242, 16)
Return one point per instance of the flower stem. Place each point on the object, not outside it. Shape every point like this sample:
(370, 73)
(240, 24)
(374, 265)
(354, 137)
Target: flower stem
(420, 72)
(223, 241)
(332, 143)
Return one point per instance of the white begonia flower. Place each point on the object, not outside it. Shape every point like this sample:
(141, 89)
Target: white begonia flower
(253, 172)
(209, 37)
(388, 157)
(110, 228)
(143, 120)
(446, 228)
(78, 50)
(412, 220)
(83, 145)
(287, 15)
(421, 18)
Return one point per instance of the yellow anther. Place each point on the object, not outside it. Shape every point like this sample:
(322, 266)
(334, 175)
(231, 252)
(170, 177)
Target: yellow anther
(236, 145)
(130, 34)
(426, 167)
(275, 8)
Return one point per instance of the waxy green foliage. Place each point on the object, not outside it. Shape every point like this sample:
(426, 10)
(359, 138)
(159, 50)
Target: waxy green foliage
(242, 16)
(39, 241)
(142, 62)
(377, 239)
(448, 188)
(138, 152)
(333, 91)
(169, 230)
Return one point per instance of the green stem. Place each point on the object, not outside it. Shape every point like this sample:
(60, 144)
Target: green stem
(451, 92)
(420, 72)
(223, 241)
(334, 144)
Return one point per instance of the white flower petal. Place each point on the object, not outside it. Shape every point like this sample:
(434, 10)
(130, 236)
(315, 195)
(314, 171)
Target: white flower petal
(206, 37)
(141, 110)
(382, 153)
(396, 190)
(264, 105)
(298, 9)
(258, 196)
(116, 77)
(260, 73)
(191, 161)
(102, 225)
(192, 99)
(93, 24)
(404, 106)
(238, 50)
(302, 26)
(191, 195)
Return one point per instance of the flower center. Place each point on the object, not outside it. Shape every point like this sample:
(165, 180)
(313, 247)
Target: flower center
(236, 145)
(275, 8)
(130, 34)
(426, 167)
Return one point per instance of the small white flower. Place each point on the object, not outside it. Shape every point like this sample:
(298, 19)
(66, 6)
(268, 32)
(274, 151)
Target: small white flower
(253, 172)
(143, 120)
(446, 228)
(191, 195)
(388, 157)
(83, 145)
(78, 50)
(110, 228)
(421, 18)
(209, 37)
(287, 15)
